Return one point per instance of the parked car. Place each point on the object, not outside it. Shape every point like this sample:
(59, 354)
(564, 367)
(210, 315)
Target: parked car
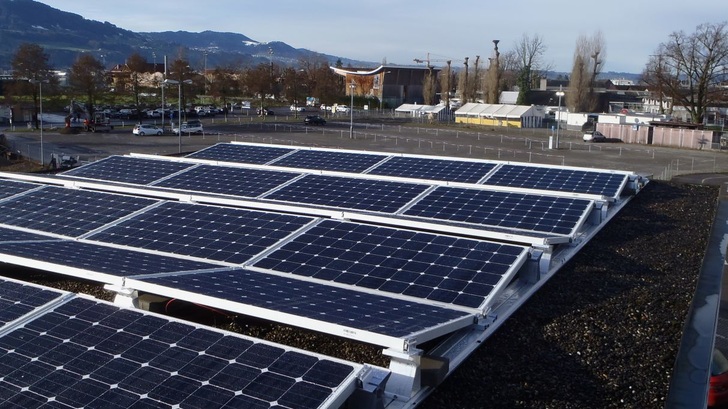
(718, 392)
(265, 111)
(594, 136)
(297, 108)
(314, 120)
(193, 126)
(342, 108)
(146, 129)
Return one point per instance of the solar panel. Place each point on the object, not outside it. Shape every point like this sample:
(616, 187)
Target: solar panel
(346, 307)
(128, 169)
(12, 235)
(208, 232)
(558, 179)
(11, 187)
(99, 259)
(227, 152)
(433, 169)
(88, 353)
(422, 265)
(329, 160)
(70, 212)
(227, 180)
(502, 209)
(352, 193)
(18, 299)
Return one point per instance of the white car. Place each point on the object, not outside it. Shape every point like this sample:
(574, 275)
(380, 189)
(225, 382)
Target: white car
(342, 108)
(594, 136)
(189, 127)
(146, 129)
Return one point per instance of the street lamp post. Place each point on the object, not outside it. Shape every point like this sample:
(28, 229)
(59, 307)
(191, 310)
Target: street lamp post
(351, 110)
(40, 99)
(559, 93)
(179, 108)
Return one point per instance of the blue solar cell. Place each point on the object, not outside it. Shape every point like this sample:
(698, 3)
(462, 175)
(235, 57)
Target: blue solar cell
(538, 213)
(345, 259)
(18, 299)
(433, 169)
(70, 212)
(227, 180)
(558, 179)
(100, 259)
(65, 367)
(351, 193)
(140, 171)
(209, 232)
(389, 316)
(227, 152)
(329, 160)
(11, 187)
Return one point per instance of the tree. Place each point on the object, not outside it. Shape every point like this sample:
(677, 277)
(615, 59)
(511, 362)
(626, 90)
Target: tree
(688, 68)
(446, 82)
(529, 52)
(88, 76)
(136, 65)
(224, 84)
(30, 70)
(589, 58)
(181, 72)
(429, 87)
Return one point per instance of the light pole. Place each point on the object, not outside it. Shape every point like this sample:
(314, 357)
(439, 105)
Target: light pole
(179, 107)
(40, 99)
(559, 93)
(351, 110)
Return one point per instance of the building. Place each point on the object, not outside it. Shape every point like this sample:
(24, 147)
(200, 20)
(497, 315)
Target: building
(393, 85)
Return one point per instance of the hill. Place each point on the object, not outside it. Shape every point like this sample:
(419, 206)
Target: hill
(65, 35)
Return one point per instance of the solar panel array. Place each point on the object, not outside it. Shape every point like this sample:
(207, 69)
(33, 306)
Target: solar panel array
(534, 214)
(606, 183)
(360, 278)
(88, 353)
(420, 265)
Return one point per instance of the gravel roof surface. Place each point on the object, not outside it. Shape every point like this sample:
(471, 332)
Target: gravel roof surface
(602, 333)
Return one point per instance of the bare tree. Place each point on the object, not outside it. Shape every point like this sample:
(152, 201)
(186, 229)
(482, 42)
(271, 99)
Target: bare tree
(88, 76)
(429, 87)
(181, 72)
(589, 57)
(463, 82)
(31, 69)
(446, 83)
(224, 84)
(135, 65)
(688, 68)
(529, 52)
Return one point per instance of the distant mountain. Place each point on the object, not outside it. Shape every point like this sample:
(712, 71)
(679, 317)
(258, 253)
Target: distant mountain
(64, 36)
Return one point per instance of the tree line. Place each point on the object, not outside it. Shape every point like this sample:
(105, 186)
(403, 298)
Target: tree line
(686, 70)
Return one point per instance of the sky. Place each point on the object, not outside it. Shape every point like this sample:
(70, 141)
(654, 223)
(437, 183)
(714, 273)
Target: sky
(399, 31)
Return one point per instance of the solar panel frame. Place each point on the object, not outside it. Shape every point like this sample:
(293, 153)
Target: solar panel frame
(19, 299)
(213, 233)
(329, 160)
(446, 170)
(241, 153)
(510, 210)
(235, 181)
(87, 352)
(348, 193)
(88, 260)
(68, 212)
(9, 188)
(573, 180)
(127, 169)
(347, 312)
(398, 261)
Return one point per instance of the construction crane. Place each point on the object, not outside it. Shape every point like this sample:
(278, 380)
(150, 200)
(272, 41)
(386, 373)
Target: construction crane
(428, 60)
